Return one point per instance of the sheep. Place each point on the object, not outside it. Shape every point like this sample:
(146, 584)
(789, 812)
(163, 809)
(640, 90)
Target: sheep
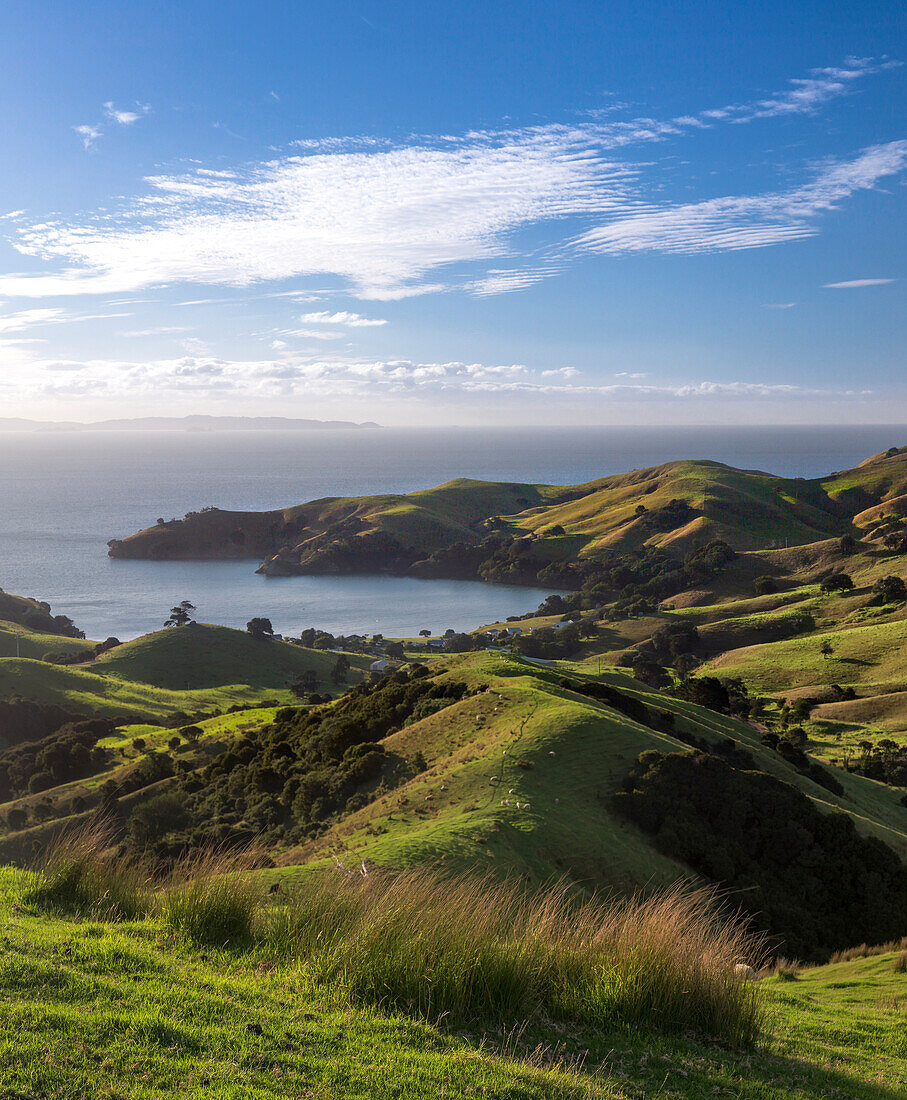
(745, 972)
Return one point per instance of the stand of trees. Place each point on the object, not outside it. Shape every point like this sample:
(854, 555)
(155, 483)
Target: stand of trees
(807, 878)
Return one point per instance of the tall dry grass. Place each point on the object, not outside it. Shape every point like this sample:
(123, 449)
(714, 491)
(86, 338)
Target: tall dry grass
(468, 948)
(78, 874)
(476, 949)
(865, 951)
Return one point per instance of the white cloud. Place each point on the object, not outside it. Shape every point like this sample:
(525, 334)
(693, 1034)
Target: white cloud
(342, 317)
(381, 220)
(780, 305)
(851, 283)
(312, 333)
(747, 221)
(88, 134)
(29, 318)
(635, 375)
(396, 221)
(26, 318)
(805, 95)
(202, 376)
(122, 118)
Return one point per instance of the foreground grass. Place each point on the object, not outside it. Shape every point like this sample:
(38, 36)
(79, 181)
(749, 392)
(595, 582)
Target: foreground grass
(131, 1009)
(464, 948)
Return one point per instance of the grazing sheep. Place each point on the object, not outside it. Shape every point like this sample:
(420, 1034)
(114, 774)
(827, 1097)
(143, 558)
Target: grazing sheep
(745, 972)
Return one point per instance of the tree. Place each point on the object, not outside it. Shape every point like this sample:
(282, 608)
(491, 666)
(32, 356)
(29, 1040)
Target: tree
(305, 683)
(889, 590)
(174, 743)
(260, 628)
(139, 744)
(395, 650)
(765, 585)
(340, 670)
(837, 582)
(847, 544)
(826, 649)
(181, 614)
(684, 664)
(424, 633)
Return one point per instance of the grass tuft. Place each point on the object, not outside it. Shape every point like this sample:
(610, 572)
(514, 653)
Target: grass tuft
(210, 897)
(79, 874)
(478, 950)
(900, 963)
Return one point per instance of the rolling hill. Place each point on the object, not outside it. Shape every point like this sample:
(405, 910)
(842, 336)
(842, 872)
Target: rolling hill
(677, 506)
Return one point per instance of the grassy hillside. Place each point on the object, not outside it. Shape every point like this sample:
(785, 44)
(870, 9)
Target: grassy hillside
(18, 640)
(519, 778)
(203, 656)
(678, 506)
(130, 1009)
(187, 669)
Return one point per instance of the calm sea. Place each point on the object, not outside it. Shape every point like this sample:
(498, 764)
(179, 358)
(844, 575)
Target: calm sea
(62, 496)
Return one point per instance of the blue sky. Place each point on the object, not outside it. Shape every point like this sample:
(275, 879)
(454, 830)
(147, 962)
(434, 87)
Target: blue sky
(443, 212)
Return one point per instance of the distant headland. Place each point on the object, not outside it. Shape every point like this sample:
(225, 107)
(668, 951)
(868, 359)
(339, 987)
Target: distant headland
(198, 423)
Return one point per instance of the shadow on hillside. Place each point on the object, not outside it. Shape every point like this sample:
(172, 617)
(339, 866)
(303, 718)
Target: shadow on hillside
(854, 661)
(690, 1069)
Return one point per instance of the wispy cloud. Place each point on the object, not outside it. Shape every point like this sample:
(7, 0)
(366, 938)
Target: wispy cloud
(32, 318)
(437, 213)
(747, 221)
(88, 134)
(780, 305)
(123, 118)
(850, 284)
(805, 94)
(343, 317)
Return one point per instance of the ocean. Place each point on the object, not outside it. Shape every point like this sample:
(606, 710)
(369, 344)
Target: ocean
(63, 495)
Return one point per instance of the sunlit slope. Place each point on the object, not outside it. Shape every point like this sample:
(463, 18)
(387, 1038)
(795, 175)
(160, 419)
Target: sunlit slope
(89, 692)
(682, 504)
(870, 655)
(187, 668)
(426, 520)
(18, 641)
(520, 777)
(203, 656)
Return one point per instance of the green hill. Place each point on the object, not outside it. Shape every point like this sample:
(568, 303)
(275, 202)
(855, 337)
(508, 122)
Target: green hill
(203, 656)
(678, 505)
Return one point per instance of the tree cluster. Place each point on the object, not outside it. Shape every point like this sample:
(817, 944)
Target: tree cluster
(806, 877)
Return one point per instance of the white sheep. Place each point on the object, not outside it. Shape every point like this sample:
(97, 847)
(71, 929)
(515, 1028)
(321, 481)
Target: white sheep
(745, 972)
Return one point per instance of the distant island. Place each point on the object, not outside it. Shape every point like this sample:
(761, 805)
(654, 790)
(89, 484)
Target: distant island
(196, 423)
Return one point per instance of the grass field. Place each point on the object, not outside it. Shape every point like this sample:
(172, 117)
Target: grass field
(89, 691)
(132, 1010)
(206, 656)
